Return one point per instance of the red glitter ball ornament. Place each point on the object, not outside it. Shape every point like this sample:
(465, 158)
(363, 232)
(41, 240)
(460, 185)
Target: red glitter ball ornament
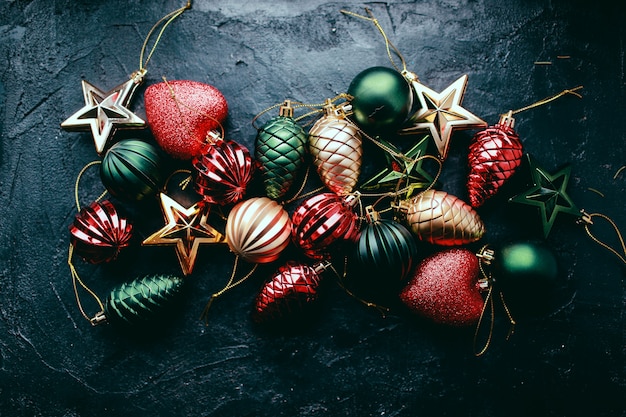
(494, 155)
(99, 233)
(180, 113)
(222, 171)
(289, 292)
(445, 288)
(322, 220)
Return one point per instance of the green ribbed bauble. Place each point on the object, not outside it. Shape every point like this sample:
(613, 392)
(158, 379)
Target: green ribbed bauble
(521, 269)
(280, 149)
(382, 99)
(386, 250)
(139, 301)
(131, 170)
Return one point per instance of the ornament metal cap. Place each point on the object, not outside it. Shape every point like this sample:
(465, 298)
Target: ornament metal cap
(371, 215)
(321, 266)
(285, 109)
(507, 120)
(352, 199)
(99, 318)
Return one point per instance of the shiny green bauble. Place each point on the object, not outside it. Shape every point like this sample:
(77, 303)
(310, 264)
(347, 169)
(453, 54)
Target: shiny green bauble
(381, 100)
(142, 300)
(131, 170)
(280, 150)
(525, 268)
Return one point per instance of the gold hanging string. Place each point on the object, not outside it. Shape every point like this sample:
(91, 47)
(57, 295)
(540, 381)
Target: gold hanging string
(182, 184)
(316, 107)
(78, 177)
(165, 21)
(587, 220)
(298, 196)
(229, 285)
(179, 103)
(388, 44)
(572, 91)
(340, 282)
(488, 301)
(76, 279)
(619, 171)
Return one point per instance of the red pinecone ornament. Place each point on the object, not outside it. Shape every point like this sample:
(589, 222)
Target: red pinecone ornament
(222, 172)
(289, 292)
(494, 155)
(445, 288)
(321, 221)
(98, 233)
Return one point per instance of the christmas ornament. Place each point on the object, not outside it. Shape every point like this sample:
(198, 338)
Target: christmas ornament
(381, 99)
(222, 171)
(405, 169)
(524, 269)
(99, 233)
(289, 293)
(385, 249)
(180, 113)
(280, 150)
(131, 170)
(322, 222)
(258, 230)
(336, 147)
(185, 229)
(105, 112)
(549, 194)
(496, 152)
(445, 288)
(441, 113)
(141, 301)
(442, 219)
(494, 155)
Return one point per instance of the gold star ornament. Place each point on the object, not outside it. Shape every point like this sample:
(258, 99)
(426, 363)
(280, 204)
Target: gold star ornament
(105, 112)
(441, 113)
(186, 229)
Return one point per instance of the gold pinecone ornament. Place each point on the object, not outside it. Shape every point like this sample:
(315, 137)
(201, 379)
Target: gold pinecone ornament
(336, 147)
(442, 219)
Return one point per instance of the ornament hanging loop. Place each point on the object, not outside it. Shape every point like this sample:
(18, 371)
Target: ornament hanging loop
(388, 44)
(586, 220)
(99, 318)
(78, 177)
(572, 91)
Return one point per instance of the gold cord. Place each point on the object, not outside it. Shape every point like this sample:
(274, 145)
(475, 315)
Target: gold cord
(204, 316)
(388, 44)
(587, 221)
(316, 107)
(76, 279)
(572, 91)
(80, 174)
(619, 171)
(381, 309)
(165, 20)
(183, 184)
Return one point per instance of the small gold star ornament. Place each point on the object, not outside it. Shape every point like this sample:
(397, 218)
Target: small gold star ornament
(186, 229)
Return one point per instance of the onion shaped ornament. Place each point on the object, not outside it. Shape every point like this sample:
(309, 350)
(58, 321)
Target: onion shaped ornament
(494, 155)
(289, 293)
(131, 170)
(336, 147)
(222, 171)
(258, 230)
(323, 221)
(280, 150)
(385, 248)
(141, 301)
(99, 233)
(442, 219)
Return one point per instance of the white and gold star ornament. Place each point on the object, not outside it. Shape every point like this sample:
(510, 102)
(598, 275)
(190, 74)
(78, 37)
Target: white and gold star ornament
(441, 113)
(106, 112)
(186, 229)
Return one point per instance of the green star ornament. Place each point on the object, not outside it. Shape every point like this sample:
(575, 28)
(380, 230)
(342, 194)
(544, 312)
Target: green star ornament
(549, 194)
(402, 171)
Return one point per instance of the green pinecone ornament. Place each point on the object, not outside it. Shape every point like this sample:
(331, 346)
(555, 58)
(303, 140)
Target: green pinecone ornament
(142, 300)
(280, 150)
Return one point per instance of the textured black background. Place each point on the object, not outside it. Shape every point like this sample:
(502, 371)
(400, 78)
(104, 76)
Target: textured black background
(567, 361)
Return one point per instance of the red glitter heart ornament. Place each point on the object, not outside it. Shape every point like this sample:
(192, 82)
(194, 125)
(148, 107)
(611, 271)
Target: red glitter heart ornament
(180, 113)
(445, 288)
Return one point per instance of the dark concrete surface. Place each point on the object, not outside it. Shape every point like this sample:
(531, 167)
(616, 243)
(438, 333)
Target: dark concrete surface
(567, 361)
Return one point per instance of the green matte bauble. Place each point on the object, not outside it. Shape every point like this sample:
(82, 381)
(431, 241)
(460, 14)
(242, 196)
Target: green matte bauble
(381, 100)
(280, 149)
(142, 300)
(523, 268)
(131, 170)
